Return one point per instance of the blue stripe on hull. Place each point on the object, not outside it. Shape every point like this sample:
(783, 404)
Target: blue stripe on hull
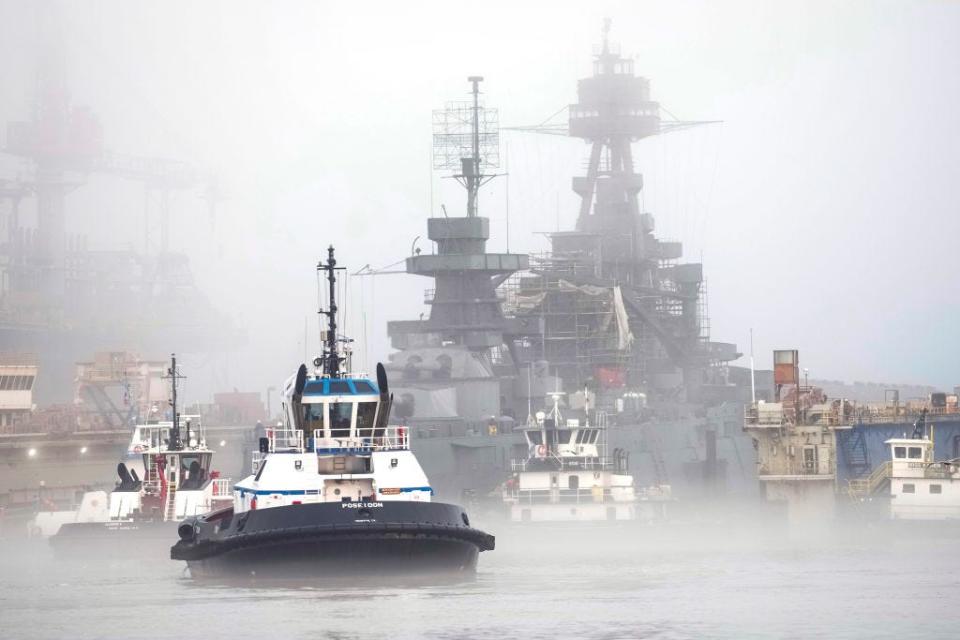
(302, 492)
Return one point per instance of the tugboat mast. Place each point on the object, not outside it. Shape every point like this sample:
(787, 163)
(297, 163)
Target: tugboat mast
(331, 355)
(176, 442)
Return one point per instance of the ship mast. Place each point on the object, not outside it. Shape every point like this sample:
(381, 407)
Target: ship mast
(331, 355)
(176, 442)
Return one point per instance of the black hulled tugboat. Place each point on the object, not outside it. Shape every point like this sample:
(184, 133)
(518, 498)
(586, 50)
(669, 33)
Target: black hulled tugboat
(335, 491)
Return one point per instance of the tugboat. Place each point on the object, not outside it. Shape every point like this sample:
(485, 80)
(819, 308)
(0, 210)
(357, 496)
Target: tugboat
(921, 487)
(335, 489)
(177, 482)
(568, 477)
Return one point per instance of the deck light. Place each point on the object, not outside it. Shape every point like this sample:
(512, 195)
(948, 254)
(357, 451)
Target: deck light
(83, 450)
(31, 453)
(223, 443)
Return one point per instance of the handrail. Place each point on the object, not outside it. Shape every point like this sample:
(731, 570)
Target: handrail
(869, 485)
(588, 463)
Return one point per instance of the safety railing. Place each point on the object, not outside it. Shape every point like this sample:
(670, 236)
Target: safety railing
(559, 496)
(221, 488)
(564, 462)
(859, 487)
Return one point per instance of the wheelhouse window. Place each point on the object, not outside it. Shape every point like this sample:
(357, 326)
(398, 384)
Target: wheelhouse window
(339, 387)
(366, 412)
(534, 437)
(915, 453)
(313, 419)
(899, 452)
(194, 469)
(909, 488)
(563, 436)
(341, 414)
(936, 488)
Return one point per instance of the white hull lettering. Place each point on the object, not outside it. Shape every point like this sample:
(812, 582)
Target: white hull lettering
(361, 505)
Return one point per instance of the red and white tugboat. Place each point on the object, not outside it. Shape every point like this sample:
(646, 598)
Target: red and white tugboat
(178, 481)
(335, 492)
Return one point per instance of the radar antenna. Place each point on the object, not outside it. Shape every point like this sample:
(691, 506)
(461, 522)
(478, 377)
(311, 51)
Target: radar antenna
(466, 137)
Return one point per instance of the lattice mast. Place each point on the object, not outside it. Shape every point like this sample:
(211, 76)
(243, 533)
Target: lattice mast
(466, 136)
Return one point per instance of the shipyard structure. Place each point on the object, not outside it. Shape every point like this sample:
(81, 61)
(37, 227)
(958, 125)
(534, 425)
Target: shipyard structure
(823, 458)
(63, 301)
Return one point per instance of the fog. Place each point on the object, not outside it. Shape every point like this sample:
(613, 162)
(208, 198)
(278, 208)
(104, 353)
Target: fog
(706, 578)
(822, 206)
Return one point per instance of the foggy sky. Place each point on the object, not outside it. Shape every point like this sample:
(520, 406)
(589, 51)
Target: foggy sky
(823, 208)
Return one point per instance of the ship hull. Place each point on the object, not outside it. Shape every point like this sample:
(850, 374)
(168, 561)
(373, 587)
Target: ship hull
(326, 540)
(115, 538)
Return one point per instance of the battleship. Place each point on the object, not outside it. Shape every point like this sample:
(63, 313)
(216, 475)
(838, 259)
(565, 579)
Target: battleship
(611, 316)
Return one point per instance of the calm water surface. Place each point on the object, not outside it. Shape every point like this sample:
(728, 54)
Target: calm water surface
(681, 581)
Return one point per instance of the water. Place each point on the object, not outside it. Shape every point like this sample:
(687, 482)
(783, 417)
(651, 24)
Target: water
(681, 581)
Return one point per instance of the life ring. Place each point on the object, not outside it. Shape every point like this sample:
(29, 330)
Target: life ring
(541, 451)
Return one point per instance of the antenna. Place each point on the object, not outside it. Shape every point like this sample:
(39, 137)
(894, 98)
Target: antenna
(466, 137)
(331, 356)
(176, 442)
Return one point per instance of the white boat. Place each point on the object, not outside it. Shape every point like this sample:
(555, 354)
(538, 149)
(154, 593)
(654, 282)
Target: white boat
(568, 476)
(922, 488)
(335, 491)
(177, 481)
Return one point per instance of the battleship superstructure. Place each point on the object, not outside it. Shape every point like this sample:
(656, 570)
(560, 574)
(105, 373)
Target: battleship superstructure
(450, 365)
(620, 312)
(610, 316)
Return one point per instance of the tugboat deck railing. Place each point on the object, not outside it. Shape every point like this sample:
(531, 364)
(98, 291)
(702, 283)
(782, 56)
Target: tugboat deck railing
(563, 496)
(394, 438)
(566, 463)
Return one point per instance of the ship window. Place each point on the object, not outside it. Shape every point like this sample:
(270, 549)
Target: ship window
(338, 387)
(563, 436)
(534, 437)
(365, 414)
(313, 419)
(909, 488)
(936, 488)
(914, 453)
(364, 387)
(340, 415)
(899, 452)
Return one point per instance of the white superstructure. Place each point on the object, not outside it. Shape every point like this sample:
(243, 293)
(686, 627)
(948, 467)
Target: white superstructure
(922, 488)
(165, 477)
(567, 476)
(334, 446)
